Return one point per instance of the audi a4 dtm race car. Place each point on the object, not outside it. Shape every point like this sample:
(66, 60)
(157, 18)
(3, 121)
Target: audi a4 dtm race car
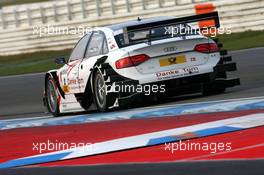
(112, 65)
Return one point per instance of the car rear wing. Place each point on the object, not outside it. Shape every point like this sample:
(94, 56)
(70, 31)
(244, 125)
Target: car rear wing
(171, 22)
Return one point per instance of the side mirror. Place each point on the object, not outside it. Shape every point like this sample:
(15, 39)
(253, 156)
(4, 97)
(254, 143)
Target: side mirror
(60, 61)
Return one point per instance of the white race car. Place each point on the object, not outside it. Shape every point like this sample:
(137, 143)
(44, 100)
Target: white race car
(153, 57)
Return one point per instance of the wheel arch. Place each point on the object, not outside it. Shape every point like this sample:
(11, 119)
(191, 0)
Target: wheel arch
(95, 68)
(53, 74)
(89, 88)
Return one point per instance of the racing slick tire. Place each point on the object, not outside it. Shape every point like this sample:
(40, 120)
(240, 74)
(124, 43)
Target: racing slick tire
(52, 97)
(103, 100)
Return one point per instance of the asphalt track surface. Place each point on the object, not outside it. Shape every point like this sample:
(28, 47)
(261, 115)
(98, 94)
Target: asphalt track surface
(21, 96)
(242, 167)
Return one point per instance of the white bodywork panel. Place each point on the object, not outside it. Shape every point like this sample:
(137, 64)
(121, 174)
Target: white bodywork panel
(70, 104)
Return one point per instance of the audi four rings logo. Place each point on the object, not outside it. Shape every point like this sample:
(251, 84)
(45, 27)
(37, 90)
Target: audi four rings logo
(170, 49)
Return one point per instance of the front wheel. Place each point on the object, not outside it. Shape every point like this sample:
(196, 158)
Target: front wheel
(52, 97)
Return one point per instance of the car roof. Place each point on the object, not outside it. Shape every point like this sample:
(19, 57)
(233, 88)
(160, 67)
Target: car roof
(121, 25)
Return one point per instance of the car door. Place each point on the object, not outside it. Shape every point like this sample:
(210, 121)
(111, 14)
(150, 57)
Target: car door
(96, 48)
(70, 71)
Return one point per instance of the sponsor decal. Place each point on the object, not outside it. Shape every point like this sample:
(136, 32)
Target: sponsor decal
(172, 60)
(111, 43)
(64, 81)
(167, 73)
(65, 88)
(191, 69)
(176, 73)
(75, 81)
(193, 59)
(112, 46)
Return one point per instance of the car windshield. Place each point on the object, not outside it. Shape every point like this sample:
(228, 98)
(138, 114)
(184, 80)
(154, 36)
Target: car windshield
(155, 34)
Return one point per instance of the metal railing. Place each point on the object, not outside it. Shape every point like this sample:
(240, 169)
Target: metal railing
(16, 36)
(59, 11)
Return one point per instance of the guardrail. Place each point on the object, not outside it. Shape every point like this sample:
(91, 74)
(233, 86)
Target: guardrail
(16, 22)
(72, 10)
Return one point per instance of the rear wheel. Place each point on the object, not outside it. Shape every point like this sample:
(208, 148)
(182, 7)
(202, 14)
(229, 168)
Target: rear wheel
(103, 99)
(52, 97)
